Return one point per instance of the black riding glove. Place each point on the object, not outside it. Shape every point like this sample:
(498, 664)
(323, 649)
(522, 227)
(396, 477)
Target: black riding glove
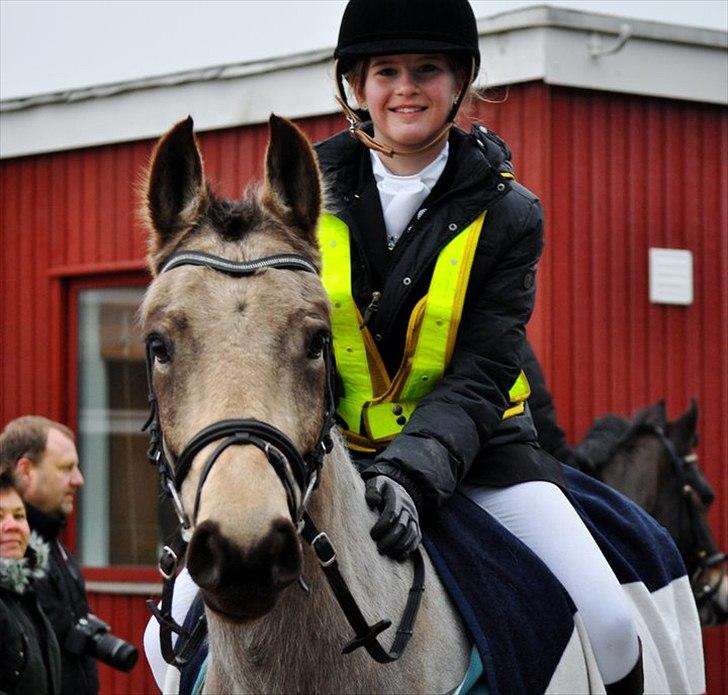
(397, 531)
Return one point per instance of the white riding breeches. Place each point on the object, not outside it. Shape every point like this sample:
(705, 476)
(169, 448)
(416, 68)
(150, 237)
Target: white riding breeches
(541, 516)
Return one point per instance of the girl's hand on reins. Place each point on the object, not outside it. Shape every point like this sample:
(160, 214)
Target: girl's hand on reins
(397, 531)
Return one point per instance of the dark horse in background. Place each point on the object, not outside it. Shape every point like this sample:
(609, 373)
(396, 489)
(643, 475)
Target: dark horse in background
(651, 460)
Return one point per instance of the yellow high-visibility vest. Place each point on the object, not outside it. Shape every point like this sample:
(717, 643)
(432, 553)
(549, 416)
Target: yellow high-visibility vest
(374, 407)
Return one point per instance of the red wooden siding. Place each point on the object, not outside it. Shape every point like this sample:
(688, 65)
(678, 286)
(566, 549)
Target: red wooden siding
(128, 617)
(617, 174)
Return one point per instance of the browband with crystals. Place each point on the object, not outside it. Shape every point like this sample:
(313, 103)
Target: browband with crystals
(237, 268)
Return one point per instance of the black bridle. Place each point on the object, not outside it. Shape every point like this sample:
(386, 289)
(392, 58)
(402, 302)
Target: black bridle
(298, 473)
(700, 540)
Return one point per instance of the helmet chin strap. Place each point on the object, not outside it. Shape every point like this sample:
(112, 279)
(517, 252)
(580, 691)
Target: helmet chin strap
(356, 124)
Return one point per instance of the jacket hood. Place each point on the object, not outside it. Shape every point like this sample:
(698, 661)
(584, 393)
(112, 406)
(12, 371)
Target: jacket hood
(17, 575)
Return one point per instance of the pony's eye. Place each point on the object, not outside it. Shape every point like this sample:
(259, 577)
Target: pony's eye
(316, 345)
(159, 350)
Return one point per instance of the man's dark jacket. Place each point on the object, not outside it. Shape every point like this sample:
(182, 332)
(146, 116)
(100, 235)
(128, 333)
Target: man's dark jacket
(62, 595)
(456, 430)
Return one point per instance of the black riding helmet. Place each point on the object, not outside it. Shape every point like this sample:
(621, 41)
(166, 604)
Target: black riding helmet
(383, 27)
(388, 27)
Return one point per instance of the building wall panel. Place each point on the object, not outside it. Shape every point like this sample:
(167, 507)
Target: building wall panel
(616, 175)
(127, 615)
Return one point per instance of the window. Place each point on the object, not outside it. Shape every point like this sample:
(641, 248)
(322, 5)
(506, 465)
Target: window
(119, 510)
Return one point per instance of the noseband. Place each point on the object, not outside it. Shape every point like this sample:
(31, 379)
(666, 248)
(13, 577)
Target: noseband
(298, 473)
(708, 554)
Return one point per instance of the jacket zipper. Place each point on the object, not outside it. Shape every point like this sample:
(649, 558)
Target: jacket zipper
(371, 310)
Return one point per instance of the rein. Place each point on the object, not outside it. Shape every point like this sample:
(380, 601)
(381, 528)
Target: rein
(299, 474)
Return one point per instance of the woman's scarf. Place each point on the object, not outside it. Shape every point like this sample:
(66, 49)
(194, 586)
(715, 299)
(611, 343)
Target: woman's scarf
(18, 575)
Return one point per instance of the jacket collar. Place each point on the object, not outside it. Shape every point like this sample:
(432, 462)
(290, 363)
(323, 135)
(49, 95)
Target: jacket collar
(346, 167)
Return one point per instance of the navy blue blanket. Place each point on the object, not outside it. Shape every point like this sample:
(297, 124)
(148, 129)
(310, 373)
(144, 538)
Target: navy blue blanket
(517, 612)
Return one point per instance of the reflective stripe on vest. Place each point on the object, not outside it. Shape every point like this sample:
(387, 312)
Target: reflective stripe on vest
(371, 402)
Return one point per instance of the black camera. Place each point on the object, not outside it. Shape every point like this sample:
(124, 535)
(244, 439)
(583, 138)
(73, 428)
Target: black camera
(91, 636)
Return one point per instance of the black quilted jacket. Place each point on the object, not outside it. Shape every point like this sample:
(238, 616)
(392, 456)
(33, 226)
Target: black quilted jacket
(456, 431)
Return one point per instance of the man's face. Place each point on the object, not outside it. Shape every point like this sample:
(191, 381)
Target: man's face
(54, 480)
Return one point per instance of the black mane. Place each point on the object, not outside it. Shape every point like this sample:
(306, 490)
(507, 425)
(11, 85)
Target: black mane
(602, 440)
(609, 434)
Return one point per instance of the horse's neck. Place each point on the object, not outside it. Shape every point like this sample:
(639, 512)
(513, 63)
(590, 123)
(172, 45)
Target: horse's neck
(629, 474)
(282, 651)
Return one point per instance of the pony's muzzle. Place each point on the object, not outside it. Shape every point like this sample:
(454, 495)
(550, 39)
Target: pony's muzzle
(243, 584)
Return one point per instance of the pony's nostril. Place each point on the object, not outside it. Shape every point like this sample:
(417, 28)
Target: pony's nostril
(285, 552)
(207, 556)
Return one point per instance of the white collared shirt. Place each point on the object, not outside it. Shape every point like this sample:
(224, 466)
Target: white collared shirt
(401, 196)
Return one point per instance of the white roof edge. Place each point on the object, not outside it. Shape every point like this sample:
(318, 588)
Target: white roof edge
(558, 46)
(566, 18)
(214, 72)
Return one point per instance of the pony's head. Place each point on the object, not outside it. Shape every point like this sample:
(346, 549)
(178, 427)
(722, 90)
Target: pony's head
(231, 346)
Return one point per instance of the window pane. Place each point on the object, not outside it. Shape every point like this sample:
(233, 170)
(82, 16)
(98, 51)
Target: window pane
(119, 505)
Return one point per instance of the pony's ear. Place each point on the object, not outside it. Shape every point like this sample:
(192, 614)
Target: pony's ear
(292, 188)
(682, 431)
(176, 192)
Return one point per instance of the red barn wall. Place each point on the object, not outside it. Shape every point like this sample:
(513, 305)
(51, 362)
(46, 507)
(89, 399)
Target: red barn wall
(616, 173)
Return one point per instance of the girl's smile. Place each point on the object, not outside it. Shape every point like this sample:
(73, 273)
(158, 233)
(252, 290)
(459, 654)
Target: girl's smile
(409, 98)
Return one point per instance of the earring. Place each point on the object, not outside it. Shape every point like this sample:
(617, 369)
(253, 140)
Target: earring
(364, 107)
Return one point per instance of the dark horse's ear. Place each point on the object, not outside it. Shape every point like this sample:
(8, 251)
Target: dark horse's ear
(176, 192)
(682, 431)
(655, 415)
(292, 181)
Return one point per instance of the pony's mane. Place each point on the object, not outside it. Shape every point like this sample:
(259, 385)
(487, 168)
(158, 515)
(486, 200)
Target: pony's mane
(608, 435)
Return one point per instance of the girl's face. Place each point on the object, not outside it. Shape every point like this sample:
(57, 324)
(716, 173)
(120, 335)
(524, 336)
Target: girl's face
(408, 97)
(14, 529)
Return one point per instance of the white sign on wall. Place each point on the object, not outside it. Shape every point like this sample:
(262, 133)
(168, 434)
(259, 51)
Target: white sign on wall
(671, 276)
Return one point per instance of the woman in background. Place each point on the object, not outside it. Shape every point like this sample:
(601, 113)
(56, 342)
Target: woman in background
(30, 661)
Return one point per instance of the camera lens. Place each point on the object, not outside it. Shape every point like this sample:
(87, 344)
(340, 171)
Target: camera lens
(114, 651)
